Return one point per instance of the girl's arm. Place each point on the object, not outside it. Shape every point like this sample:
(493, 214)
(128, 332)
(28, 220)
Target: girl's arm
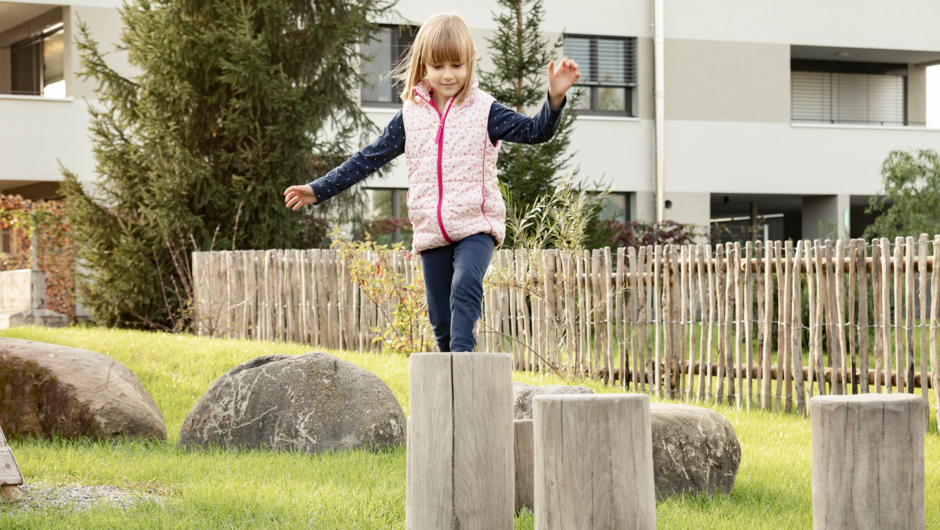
(510, 126)
(383, 150)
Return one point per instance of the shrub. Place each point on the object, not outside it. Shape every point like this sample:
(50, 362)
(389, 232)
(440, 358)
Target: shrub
(56, 251)
(401, 302)
(640, 234)
(228, 104)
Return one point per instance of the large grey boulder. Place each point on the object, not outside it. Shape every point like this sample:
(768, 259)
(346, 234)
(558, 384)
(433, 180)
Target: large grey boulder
(312, 403)
(694, 450)
(50, 390)
(522, 395)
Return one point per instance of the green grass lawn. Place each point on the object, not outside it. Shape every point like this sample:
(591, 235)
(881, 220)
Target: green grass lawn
(356, 489)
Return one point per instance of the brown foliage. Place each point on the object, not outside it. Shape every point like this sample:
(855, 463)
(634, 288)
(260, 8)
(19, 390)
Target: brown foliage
(56, 251)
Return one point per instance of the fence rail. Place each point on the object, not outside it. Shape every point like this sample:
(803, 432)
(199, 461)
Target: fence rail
(775, 324)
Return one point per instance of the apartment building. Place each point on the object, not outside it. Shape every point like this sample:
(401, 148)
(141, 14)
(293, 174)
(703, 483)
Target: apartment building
(781, 110)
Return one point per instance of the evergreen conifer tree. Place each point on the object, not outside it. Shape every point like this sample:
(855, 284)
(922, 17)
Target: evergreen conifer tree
(234, 101)
(520, 57)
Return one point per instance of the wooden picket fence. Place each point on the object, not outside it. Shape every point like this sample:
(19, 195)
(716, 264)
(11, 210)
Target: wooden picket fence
(752, 325)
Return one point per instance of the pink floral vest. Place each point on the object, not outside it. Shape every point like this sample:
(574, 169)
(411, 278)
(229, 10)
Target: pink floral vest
(452, 191)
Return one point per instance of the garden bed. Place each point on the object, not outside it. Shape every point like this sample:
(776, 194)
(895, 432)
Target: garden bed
(164, 486)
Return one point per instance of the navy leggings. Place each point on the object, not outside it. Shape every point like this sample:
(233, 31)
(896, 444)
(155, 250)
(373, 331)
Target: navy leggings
(453, 280)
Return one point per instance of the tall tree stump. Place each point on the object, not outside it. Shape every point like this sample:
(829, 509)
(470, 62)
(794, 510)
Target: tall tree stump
(593, 462)
(459, 471)
(525, 465)
(868, 461)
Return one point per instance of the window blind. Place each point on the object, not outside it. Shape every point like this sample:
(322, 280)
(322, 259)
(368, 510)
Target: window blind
(604, 60)
(834, 97)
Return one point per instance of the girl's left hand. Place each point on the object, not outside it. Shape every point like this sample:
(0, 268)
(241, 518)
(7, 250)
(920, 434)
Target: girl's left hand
(561, 79)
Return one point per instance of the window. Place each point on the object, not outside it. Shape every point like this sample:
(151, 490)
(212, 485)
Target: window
(608, 73)
(37, 64)
(386, 51)
(615, 206)
(850, 93)
(389, 217)
(6, 242)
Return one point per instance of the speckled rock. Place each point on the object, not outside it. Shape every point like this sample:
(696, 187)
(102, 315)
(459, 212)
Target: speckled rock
(50, 390)
(522, 395)
(312, 403)
(694, 450)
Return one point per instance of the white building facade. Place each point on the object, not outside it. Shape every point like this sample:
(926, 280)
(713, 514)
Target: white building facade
(784, 110)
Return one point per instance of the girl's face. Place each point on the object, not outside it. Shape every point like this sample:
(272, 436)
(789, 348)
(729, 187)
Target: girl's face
(447, 78)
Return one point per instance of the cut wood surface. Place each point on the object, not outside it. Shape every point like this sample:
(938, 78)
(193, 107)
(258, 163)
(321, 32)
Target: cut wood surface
(524, 462)
(9, 471)
(868, 461)
(10, 476)
(593, 462)
(638, 317)
(459, 462)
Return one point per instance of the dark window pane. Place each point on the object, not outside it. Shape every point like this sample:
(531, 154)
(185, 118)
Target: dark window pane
(611, 98)
(378, 86)
(53, 72)
(584, 102)
(610, 61)
(26, 67)
(578, 49)
(403, 36)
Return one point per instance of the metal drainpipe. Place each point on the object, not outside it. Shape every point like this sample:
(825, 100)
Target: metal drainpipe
(660, 117)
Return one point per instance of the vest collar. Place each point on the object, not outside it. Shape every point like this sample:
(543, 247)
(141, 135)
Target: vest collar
(423, 90)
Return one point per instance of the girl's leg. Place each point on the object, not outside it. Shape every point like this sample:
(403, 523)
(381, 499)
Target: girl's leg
(472, 257)
(438, 265)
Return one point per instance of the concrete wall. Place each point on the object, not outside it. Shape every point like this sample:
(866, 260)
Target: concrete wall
(916, 94)
(727, 81)
(52, 131)
(738, 157)
(826, 217)
(893, 25)
(727, 98)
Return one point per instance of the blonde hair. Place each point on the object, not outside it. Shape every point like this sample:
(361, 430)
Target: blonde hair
(442, 38)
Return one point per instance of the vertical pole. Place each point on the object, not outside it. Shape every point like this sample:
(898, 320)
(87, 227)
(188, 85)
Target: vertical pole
(659, 94)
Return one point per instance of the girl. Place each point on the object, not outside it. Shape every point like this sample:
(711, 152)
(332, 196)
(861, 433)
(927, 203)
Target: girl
(450, 132)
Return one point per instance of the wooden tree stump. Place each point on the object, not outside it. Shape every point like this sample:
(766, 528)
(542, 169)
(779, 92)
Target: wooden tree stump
(459, 471)
(525, 464)
(868, 461)
(10, 476)
(593, 462)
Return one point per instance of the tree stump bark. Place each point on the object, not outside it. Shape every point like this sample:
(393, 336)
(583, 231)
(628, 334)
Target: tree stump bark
(525, 465)
(593, 462)
(10, 476)
(459, 471)
(868, 461)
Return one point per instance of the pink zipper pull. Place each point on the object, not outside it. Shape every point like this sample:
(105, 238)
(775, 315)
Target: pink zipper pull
(440, 133)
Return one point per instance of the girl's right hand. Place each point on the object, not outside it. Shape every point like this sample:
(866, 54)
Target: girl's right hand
(298, 196)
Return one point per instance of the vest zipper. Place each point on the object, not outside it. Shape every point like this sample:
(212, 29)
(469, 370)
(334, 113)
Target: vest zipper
(439, 140)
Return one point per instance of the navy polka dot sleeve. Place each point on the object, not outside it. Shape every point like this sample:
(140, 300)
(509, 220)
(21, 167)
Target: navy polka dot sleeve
(503, 124)
(510, 126)
(383, 150)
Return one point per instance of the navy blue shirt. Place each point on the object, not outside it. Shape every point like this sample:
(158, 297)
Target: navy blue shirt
(503, 124)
